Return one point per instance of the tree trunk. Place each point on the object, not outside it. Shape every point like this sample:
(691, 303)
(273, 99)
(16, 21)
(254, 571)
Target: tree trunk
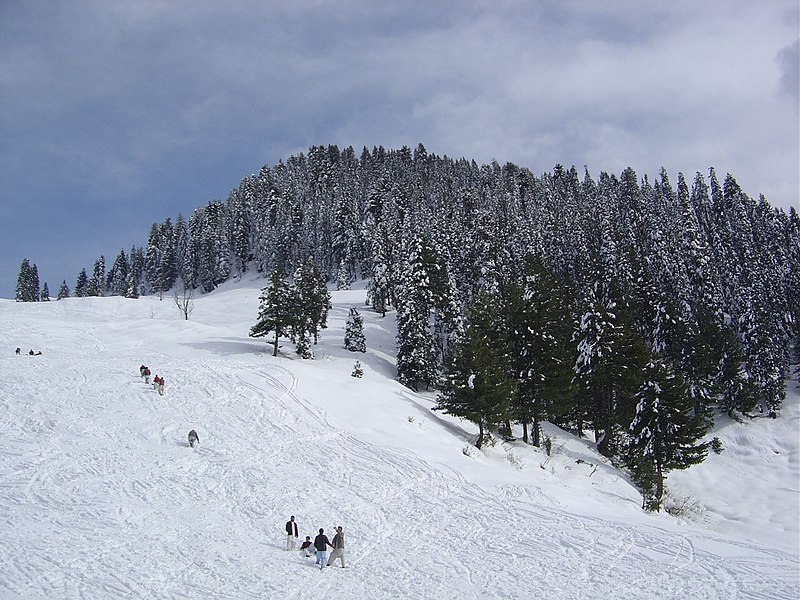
(479, 443)
(275, 351)
(659, 483)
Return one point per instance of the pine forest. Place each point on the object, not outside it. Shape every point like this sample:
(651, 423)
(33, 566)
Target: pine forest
(628, 309)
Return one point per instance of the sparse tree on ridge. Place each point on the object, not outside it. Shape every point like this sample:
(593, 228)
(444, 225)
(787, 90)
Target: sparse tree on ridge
(27, 282)
(82, 284)
(63, 291)
(45, 295)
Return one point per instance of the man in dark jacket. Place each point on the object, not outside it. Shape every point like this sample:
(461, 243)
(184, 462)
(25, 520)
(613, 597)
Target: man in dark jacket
(291, 533)
(321, 544)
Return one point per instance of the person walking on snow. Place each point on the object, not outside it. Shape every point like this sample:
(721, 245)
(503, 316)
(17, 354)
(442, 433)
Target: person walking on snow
(146, 375)
(161, 386)
(321, 544)
(338, 547)
(291, 533)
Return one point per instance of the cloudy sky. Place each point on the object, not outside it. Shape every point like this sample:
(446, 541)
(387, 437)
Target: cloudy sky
(115, 114)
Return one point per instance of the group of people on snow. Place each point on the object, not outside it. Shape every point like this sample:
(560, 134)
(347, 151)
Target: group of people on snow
(158, 382)
(158, 385)
(30, 352)
(319, 547)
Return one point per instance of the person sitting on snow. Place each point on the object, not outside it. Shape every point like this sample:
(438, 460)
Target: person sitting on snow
(307, 548)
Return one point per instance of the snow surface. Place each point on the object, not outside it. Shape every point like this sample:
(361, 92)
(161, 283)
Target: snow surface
(102, 497)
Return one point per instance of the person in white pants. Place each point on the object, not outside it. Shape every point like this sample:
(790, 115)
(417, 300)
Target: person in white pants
(291, 533)
(338, 547)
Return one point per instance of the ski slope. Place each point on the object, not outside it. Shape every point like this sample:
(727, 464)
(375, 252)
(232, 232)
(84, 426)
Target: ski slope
(101, 496)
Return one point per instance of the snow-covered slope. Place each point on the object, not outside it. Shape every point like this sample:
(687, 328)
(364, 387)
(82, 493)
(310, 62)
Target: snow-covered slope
(101, 496)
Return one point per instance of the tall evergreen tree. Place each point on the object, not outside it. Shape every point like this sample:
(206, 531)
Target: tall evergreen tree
(541, 353)
(664, 431)
(27, 283)
(609, 354)
(477, 385)
(314, 301)
(45, 295)
(354, 339)
(276, 309)
(82, 285)
(63, 291)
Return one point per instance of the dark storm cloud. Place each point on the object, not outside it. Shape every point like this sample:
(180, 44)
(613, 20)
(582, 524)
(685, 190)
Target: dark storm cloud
(117, 114)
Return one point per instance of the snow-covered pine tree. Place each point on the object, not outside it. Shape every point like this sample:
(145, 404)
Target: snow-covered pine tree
(45, 295)
(97, 283)
(131, 287)
(209, 245)
(152, 261)
(354, 340)
(609, 359)
(416, 359)
(136, 267)
(537, 314)
(314, 300)
(276, 309)
(82, 284)
(664, 432)
(358, 370)
(166, 263)
(63, 291)
(117, 278)
(27, 283)
(477, 385)
(239, 208)
(180, 243)
(343, 279)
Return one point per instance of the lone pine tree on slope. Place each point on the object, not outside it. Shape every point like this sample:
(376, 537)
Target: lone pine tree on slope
(354, 339)
(275, 312)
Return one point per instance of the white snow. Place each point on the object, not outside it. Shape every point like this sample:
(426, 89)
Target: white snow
(102, 497)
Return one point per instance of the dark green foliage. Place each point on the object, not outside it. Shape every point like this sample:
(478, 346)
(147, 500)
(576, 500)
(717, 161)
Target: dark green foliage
(538, 314)
(664, 432)
(313, 303)
(82, 284)
(696, 274)
(610, 355)
(27, 282)
(276, 309)
(477, 385)
(63, 291)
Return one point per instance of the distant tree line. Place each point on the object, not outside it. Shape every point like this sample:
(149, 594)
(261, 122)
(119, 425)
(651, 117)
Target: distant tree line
(599, 304)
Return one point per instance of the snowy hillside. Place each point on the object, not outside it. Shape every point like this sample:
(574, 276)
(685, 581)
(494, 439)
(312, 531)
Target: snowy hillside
(101, 496)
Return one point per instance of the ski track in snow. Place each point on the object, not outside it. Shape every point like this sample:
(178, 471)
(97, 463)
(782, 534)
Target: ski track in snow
(101, 496)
